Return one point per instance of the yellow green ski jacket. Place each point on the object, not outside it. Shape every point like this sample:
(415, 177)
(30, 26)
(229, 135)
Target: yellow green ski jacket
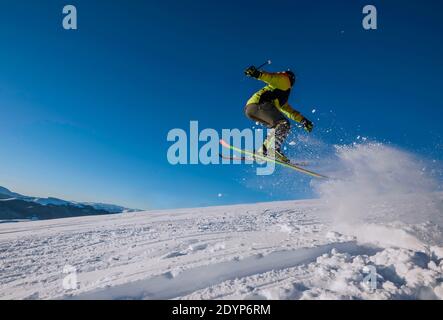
(277, 92)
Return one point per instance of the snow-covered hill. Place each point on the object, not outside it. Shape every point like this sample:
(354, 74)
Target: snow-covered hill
(15, 206)
(286, 250)
(381, 218)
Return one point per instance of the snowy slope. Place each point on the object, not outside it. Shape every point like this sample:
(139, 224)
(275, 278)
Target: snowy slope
(383, 210)
(284, 250)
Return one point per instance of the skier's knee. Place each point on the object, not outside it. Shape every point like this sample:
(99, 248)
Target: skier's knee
(250, 111)
(283, 125)
(287, 124)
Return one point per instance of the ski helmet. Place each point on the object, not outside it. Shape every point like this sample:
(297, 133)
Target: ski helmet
(291, 76)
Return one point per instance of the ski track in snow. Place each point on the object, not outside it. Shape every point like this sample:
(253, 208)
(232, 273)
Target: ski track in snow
(282, 250)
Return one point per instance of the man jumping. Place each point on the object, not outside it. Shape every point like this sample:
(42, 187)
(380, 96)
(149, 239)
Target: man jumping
(270, 107)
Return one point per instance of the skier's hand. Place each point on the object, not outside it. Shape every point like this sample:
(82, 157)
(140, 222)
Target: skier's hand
(307, 125)
(253, 72)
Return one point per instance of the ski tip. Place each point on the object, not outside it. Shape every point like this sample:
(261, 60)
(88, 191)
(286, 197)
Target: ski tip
(224, 143)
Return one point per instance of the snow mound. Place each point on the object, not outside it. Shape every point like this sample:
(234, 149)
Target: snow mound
(341, 273)
(375, 183)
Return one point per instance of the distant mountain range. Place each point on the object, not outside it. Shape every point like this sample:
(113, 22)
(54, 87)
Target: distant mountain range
(15, 206)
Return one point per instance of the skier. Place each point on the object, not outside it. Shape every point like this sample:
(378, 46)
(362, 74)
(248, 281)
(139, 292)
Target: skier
(270, 107)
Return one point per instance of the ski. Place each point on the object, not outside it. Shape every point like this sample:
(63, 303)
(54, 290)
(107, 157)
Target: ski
(233, 158)
(254, 159)
(284, 164)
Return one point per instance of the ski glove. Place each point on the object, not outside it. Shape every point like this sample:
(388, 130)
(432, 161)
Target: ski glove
(253, 72)
(307, 125)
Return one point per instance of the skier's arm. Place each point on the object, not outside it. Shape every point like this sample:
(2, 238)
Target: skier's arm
(296, 116)
(291, 113)
(277, 80)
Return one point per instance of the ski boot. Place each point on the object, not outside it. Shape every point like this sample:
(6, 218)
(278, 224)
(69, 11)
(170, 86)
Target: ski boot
(279, 156)
(260, 154)
(268, 151)
(272, 145)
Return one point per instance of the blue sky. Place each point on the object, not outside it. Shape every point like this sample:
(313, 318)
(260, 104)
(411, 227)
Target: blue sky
(85, 114)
